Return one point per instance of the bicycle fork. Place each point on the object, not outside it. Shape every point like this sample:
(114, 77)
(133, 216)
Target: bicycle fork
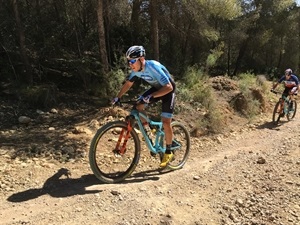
(122, 140)
(282, 109)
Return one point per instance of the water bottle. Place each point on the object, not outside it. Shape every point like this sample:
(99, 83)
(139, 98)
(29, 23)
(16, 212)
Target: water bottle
(153, 131)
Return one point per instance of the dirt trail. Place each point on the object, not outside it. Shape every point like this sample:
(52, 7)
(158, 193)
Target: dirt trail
(250, 176)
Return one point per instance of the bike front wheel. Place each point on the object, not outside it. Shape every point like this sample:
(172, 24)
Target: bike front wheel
(182, 138)
(114, 152)
(277, 113)
(292, 112)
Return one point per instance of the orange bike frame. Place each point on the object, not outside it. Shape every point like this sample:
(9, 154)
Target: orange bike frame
(124, 138)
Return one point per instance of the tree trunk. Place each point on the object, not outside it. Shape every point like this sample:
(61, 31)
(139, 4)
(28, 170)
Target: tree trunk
(154, 29)
(228, 58)
(27, 78)
(280, 53)
(102, 41)
(242, 52)
(134, 21)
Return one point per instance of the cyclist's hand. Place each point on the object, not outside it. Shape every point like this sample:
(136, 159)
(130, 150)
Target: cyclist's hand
(294, 90)
(140, 98)
(115, 100)
(147, 99)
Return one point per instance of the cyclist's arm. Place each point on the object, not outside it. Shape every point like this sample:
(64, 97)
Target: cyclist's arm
(163, 90)
(126, 86)
(275, 85)
(162, 75)
(297, 84)
(278, 82)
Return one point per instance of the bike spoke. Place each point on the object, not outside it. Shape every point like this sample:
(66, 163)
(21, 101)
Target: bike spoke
(114, 153)
(181, 150)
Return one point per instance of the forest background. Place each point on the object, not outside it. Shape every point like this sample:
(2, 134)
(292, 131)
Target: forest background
(50, 45)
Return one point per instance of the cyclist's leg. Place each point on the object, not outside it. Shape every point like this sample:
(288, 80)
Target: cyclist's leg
(285, 94)
(141, 107)
(167, 113)
(168, 130)
(168, 138)
(291, 96)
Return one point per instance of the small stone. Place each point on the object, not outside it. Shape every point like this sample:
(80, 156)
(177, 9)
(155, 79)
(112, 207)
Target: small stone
(261, 160)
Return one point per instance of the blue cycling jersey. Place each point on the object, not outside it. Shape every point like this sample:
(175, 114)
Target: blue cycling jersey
(293, 81)
(154, 73)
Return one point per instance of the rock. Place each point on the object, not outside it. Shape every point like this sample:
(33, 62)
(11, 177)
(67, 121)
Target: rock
(261, 160)
(24, 119)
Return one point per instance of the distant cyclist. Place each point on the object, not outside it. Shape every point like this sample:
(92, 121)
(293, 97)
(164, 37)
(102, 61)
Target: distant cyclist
(162, 88)
(291, 83)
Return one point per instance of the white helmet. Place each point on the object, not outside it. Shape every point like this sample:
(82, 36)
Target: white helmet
(135, 52)
(288, 71)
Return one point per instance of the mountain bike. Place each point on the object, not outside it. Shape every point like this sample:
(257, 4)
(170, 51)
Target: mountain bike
(282, 108)
(116, 147)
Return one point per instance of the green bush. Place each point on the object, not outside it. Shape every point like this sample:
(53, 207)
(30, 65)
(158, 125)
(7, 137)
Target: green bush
(247, 83)
(44, 96)
(197, 90)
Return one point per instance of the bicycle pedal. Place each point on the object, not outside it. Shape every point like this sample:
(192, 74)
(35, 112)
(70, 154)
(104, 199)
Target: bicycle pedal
(175, 145)
(153, 154)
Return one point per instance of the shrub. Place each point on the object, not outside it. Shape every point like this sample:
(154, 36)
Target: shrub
(251, 100)
(196, 89)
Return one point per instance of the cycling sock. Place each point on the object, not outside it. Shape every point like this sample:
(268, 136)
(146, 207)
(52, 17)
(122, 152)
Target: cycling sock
(168, 150)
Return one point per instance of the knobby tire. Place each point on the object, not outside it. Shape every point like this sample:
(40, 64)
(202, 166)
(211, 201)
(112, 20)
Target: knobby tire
(106, 164)
(292, 114)
(276, 114)
(180, 135)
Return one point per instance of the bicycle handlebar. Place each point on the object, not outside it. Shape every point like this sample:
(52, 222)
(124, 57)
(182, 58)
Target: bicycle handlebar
(275, 92)
(131, 102)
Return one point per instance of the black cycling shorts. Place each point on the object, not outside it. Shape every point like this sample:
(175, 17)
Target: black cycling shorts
(168, 101)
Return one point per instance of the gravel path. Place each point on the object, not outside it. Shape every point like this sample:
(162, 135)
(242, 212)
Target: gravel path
(250, 176)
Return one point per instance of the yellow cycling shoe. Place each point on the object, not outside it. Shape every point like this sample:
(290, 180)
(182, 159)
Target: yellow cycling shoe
(166, 159)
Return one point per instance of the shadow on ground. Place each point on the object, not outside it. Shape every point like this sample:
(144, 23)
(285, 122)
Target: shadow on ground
(56, 187)
(271, 125)
(60, 188)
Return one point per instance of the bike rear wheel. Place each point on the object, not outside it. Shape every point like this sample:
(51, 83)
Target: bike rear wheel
(182, 137)
(292, 113)
(277, 113)
(106, 161)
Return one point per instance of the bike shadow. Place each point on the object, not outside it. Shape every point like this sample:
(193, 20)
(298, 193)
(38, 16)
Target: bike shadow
(271, 125)
(147, 175)
(59, 188)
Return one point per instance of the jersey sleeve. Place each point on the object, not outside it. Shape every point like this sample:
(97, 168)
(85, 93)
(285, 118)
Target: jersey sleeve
(281, 79)
(162, 74)
(296, 79)
(131, 77)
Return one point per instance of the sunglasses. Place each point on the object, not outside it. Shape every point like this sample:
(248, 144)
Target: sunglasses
(132, 61)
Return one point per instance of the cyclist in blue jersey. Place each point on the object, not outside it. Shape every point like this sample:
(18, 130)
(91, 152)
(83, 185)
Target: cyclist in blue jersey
(162, 88)
(291, 83)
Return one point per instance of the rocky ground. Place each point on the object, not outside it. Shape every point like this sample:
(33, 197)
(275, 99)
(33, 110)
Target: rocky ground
(247, 175)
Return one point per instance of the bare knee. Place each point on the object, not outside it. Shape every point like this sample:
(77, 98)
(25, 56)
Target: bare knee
(166, 121)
